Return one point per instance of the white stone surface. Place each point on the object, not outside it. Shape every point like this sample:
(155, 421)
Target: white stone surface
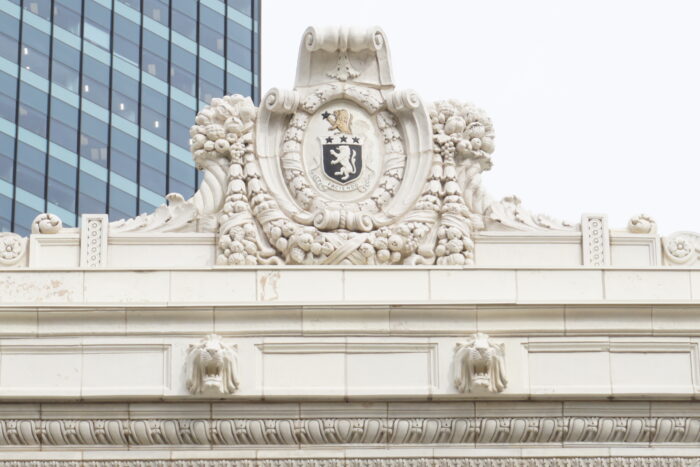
(349, 318)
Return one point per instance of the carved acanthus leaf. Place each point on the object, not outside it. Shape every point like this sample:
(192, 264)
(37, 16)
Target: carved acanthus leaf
(508, 214)
(177, 215)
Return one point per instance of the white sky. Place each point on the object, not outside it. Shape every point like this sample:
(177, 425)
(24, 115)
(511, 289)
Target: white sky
(596, 103)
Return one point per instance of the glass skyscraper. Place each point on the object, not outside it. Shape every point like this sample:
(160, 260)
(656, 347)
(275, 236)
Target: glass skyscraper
(97, 97)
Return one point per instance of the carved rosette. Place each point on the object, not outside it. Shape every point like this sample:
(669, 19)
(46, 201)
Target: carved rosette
(682, 248)
(12, 248)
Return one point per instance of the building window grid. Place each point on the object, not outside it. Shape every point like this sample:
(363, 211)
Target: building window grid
(227, 84)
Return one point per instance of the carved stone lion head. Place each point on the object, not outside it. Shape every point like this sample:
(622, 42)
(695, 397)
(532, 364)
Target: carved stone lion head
(212, 367)
(479, 365)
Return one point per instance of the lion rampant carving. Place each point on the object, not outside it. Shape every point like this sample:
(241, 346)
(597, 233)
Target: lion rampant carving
(479, 365)
(212, 367)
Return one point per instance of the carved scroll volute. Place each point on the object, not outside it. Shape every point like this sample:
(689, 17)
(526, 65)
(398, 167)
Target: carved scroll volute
(414, 122)
(357, 55)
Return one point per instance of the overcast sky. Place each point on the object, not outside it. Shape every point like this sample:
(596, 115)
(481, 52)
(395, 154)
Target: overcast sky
(596, 104)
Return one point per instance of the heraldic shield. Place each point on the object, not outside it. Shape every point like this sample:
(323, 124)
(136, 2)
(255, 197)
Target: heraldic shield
(342, 160)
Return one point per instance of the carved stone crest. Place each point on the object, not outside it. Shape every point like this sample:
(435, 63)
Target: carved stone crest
(342, 169)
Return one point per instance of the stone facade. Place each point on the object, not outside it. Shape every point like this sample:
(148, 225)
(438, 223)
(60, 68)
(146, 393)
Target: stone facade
(343, 291)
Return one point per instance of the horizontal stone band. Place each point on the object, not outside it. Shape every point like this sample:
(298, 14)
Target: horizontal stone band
(381, 462)
(349, 431)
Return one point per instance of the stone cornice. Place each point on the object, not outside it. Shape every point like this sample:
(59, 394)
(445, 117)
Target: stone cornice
(476, 431)
(379, 462)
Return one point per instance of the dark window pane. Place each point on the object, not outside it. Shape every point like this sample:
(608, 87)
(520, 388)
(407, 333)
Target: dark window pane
(6, 166)
(180, 134)
(208, 91)
(30, 180)
(153, 121)
(64, 135)
(35, 61)
(244, 6)
(93, 149)
(34, 38)
(135, 4)
(123, 142)
(152, 179)
(24, 216)
(126, 48)
(5, 213)
(94, 127)
(61, 195)
(182, 114)
(155, 44)
(121, 201)
(39, 7)
(155, 65)
(239, 54)
(239, 33)
(66, 54)
(211, 73)
(8, 48)
(67, 18)
(211, 38)
(124, 107)
(95, 91)
(115, 214)
(181, 171)
(185, 189)
(65, 173)
(125, 85)
(34, 97)
(182, 80)
(183, 24)
(186, 8)
(94, 187)
(9, 25)
(64, 112)
(98, 14)
(95, 69)
(123, 164)
(31, 157)
(156, 10)
(32, 120)
(7, 107)
(7, 145)
(89, 205)
(152, 157)
(65, 76)
(235, 85)
(154, 99)
(183, 58)
(145, 207)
